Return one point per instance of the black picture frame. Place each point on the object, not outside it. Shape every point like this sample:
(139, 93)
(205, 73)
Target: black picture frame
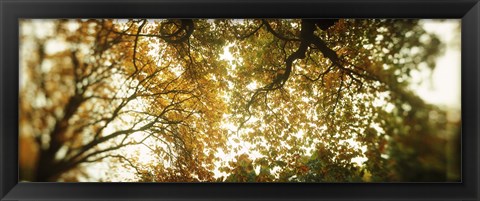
(13, 10)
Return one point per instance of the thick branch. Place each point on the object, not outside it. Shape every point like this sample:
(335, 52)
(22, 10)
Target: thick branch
(306, 34)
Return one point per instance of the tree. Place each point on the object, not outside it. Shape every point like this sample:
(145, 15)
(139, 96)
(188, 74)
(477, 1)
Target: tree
(309, 96)
(84, 117)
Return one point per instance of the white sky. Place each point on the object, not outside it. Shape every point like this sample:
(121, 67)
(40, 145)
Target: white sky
(444, 88)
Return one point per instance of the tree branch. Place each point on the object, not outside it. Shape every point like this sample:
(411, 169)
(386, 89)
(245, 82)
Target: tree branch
(281, 37)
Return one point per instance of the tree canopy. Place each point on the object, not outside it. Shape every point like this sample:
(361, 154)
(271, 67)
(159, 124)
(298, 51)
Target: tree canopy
(288, 100)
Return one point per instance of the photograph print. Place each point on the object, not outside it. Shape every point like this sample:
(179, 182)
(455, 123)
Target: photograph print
(239, 100)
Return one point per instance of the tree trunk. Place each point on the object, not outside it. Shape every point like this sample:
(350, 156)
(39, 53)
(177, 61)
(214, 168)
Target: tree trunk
(45, 167)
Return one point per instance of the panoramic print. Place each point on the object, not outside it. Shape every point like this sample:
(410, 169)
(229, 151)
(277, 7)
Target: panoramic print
(239, 100)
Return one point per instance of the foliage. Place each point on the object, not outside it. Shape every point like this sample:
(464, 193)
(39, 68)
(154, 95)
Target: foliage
(307, 96)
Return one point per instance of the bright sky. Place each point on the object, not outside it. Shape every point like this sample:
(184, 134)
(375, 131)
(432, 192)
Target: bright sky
(444, 88)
